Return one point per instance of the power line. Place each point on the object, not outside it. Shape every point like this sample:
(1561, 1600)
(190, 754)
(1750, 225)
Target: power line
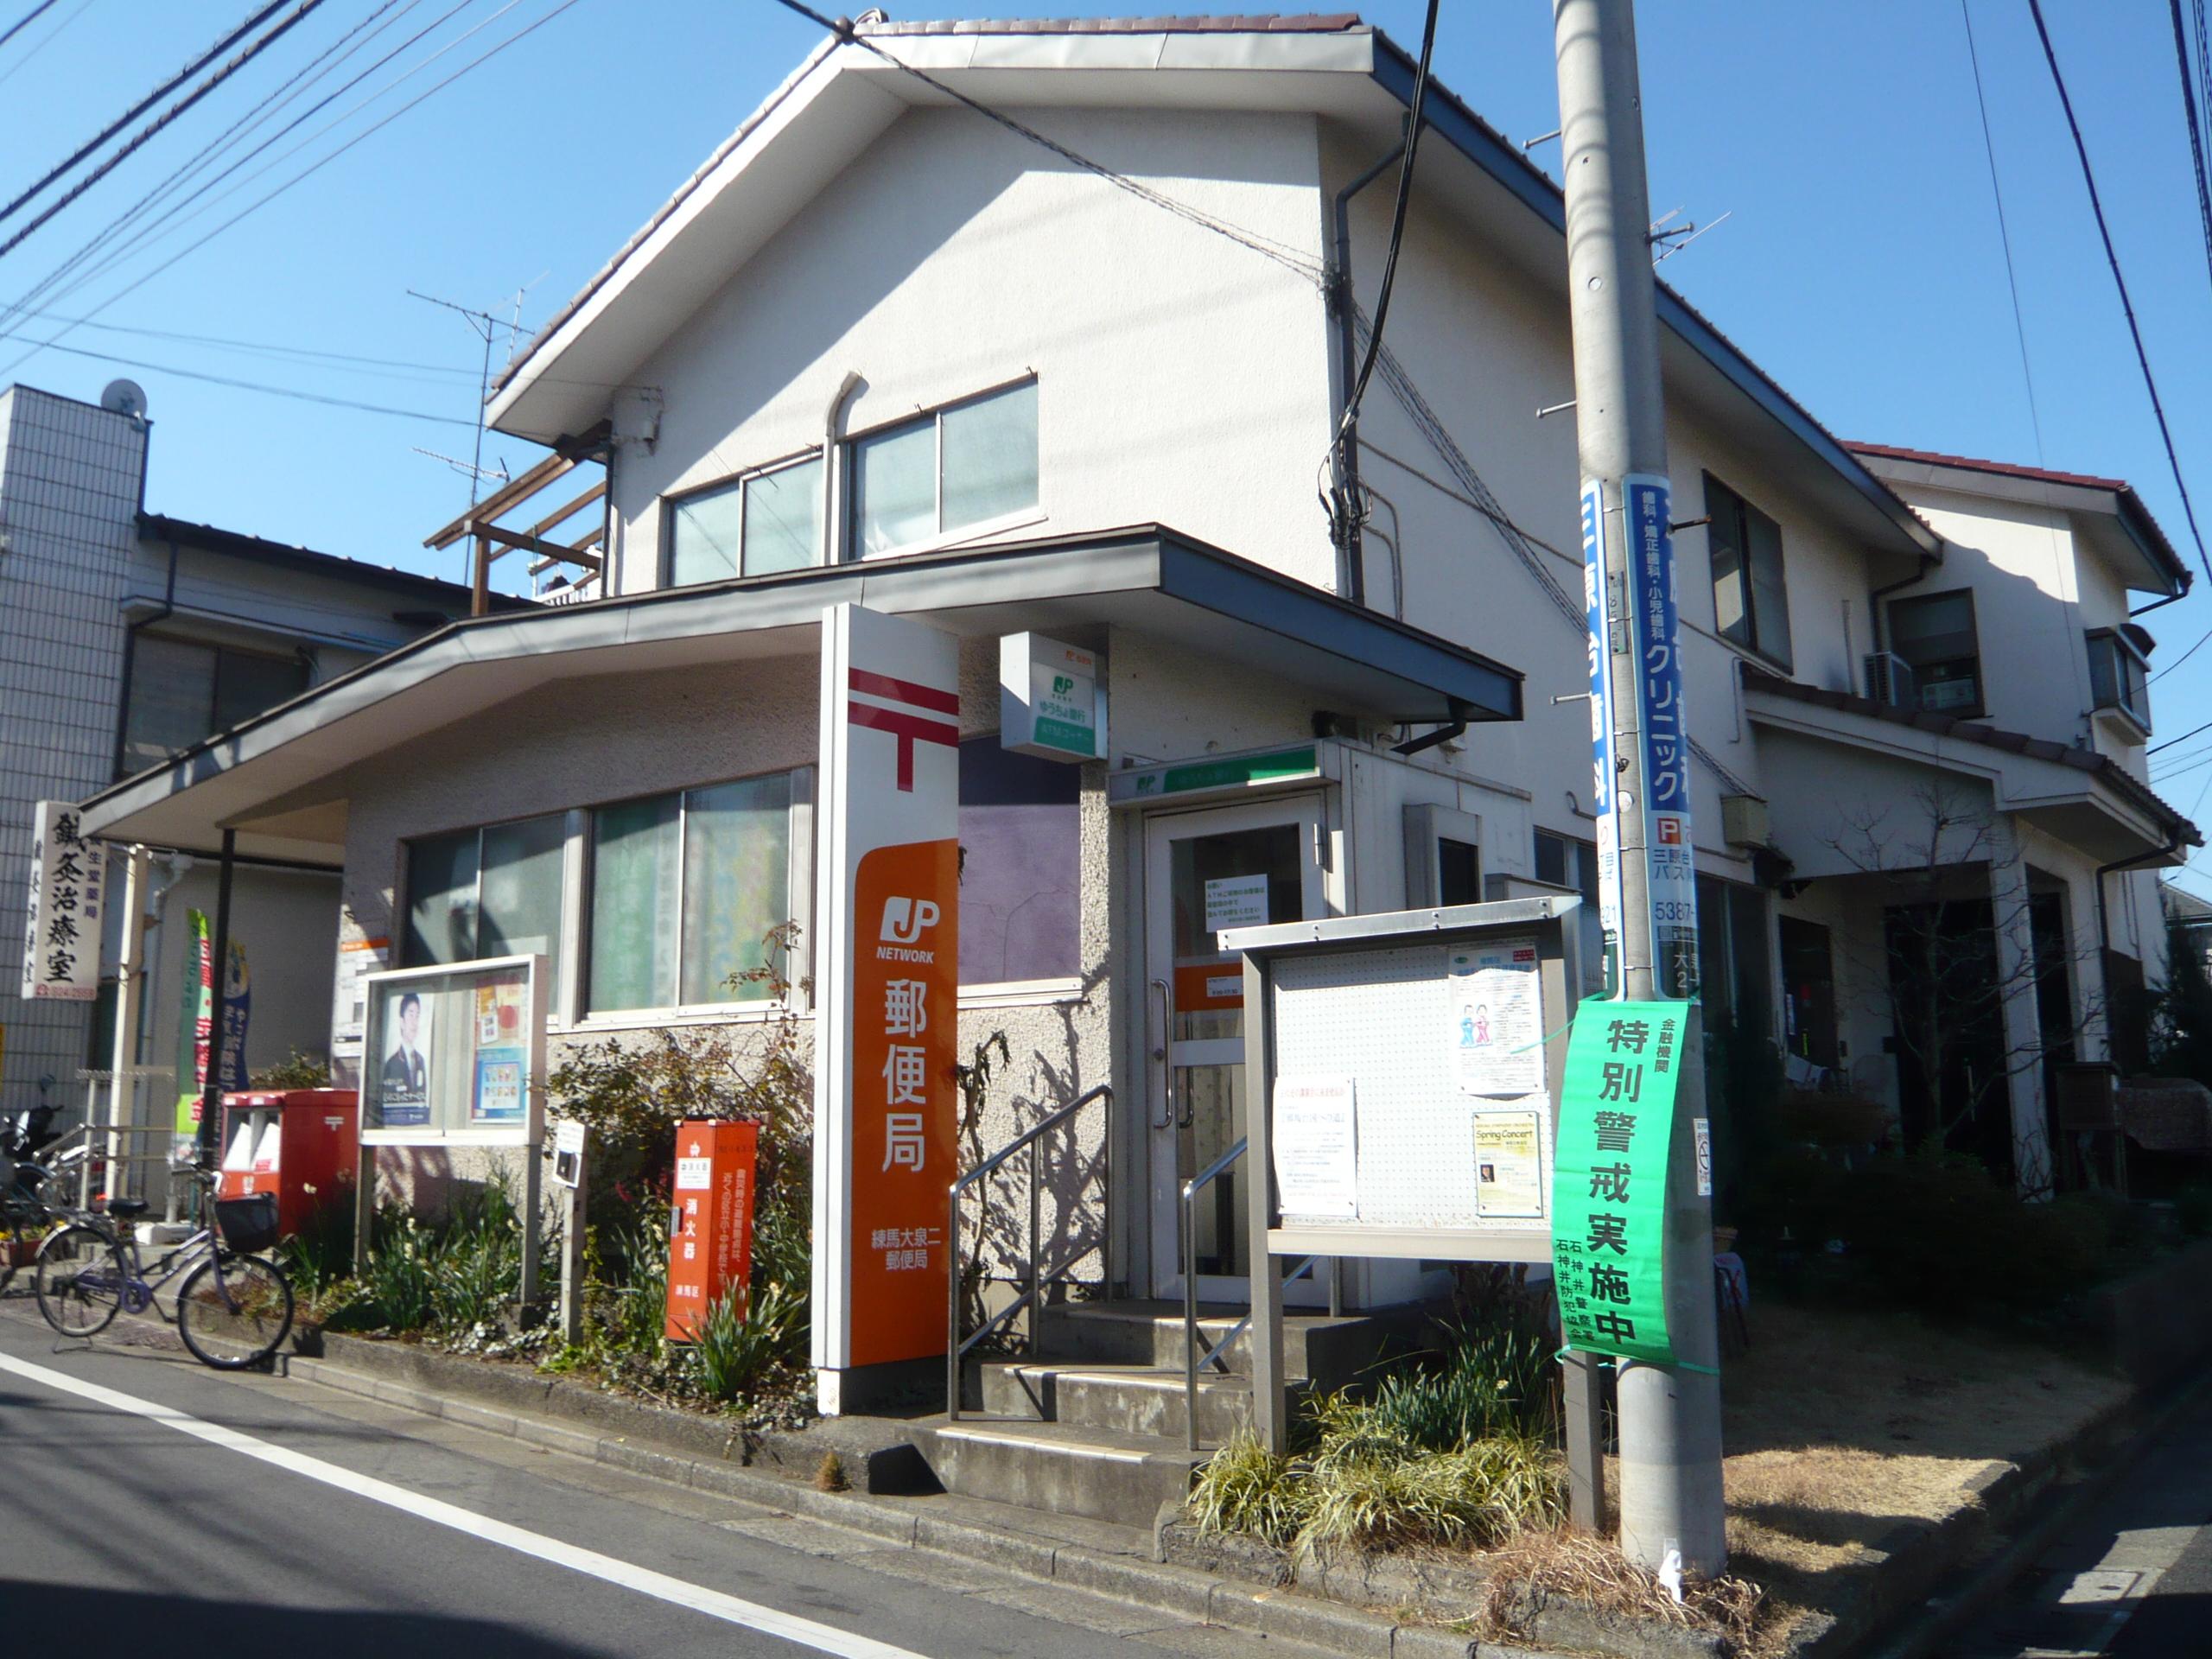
(27, 19)
(2004, 231)
(1414, 124)
(313, 70)
(146, 133)
(146, 103)
(2112, 258)
(248, 386)
(44, 40)
(2196, 132)
(2183, 738)
(308, 172)
(1280, 252)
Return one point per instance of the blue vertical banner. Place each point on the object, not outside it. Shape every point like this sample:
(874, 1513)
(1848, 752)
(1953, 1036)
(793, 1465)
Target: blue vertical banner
(1601, 725)
(1654, 634)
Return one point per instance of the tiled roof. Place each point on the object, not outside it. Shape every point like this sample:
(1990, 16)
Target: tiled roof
(2002, 468)
(1248, 23)
(2102, 767)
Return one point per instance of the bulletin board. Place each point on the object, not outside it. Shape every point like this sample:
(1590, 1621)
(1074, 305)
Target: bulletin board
(455, 1055)
(1389, 1128)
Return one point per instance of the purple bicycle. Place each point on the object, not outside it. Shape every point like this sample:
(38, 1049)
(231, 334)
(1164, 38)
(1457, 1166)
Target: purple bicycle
(234, 1307)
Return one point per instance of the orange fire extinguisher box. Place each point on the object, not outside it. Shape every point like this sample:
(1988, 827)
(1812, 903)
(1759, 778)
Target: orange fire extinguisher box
(301, 1144)
(710, 1231)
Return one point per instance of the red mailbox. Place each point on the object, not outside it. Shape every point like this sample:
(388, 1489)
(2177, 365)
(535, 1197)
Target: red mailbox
(710, 1231)
(301, 1144)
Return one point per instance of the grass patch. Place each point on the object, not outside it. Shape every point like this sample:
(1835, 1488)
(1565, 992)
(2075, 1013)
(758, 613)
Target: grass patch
(1538, 1568)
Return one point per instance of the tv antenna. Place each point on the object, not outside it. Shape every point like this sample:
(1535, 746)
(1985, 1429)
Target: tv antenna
(486, 325)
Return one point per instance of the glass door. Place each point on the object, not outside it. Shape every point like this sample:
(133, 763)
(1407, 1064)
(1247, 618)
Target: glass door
(1204, 872)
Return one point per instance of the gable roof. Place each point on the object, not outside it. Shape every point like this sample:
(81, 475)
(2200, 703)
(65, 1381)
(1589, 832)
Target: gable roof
(2082, 491)
(843, 96)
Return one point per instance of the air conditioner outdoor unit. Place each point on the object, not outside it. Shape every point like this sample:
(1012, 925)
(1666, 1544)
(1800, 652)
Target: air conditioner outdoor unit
(1889, 681)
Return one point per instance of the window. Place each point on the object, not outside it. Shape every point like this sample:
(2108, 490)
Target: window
(2118, 678)
(1934, 632)
(970, 464)
(1021, 867)
(1750, 606)
(752, 527)
(1732, 957)
(685, 889)
(493, 892)
(182, 692)
(1566, 862)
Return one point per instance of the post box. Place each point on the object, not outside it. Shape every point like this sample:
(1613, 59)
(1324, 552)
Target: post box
(301, 1144)
(711, 1229)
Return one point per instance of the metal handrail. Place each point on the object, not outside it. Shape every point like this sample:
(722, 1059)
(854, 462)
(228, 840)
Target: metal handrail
(1194, 1360)
(955, 1348)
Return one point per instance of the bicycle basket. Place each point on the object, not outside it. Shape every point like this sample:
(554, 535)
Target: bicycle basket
(247, 1224)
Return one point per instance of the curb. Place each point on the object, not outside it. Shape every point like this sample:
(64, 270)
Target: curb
(1181, 1592)
(1944, 1616)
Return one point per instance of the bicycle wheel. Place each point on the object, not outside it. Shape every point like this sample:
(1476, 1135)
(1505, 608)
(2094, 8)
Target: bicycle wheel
(232, 1313)
(79, 1280)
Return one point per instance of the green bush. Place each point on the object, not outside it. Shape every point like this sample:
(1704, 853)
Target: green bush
(2193, 1208)
(738, 1352)
(1494, 1376)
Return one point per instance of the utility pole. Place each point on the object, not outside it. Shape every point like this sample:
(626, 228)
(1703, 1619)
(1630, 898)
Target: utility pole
(1670, 1492)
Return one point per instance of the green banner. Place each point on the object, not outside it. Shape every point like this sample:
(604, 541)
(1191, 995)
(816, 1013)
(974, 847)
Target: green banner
(196, 1025)
(1609, 1182)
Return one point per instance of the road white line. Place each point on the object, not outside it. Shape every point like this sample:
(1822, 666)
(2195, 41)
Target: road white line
(732, 1610)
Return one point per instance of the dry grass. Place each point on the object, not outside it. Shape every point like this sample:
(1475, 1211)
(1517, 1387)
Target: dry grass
(1575, 1566)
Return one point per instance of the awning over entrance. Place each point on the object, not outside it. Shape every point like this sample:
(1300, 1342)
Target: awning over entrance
(260, 779)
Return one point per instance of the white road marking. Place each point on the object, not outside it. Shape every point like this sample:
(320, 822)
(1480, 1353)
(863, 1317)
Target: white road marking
(732, 1610)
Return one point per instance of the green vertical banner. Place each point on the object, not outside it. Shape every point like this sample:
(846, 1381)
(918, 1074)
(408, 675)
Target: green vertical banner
(1609, 1180)
(197, 1025)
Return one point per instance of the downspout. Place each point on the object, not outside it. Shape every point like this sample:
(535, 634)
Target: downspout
(2156, 604)
(131, 656)
(833, 422)
(1344, 460)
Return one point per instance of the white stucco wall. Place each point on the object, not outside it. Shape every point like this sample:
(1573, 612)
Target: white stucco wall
(1181, 378)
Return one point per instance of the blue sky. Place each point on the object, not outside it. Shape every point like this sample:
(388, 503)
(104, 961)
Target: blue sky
(1860, 263)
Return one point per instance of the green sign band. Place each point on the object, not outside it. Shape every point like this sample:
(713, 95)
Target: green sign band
(1609, 1180)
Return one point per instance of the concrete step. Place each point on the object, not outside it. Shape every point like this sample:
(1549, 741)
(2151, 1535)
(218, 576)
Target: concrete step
(1333, 1351)
(1057, 1467)
(1126, 1399)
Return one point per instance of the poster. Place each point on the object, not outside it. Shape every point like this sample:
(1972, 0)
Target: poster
(196, 1044)
(1315, 1139)
(349, 1012)
(1609, 1190)
(502, 1062)
(1495, 1005)
(1509, 1166)
(1236, 901)
(404, 1070)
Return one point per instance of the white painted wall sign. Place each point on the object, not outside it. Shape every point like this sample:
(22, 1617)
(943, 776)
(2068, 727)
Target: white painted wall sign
(61, 931)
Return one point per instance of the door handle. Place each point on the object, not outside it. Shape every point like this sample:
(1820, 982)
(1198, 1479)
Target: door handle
(1167, 1112)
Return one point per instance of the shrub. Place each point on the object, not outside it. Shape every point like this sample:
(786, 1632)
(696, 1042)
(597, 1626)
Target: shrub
(2193, 1208)
(1245, 1488)
(1494, 1375)
(295, 1070)
(738, 1352)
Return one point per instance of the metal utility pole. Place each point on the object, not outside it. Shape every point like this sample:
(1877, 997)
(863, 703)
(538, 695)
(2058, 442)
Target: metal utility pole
(1670, 1492)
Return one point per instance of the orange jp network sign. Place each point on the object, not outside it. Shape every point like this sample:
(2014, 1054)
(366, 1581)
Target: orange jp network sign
(888, 973)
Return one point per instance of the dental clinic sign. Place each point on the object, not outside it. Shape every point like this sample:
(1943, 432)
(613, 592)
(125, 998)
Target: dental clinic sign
(61, 931)
(887, 980)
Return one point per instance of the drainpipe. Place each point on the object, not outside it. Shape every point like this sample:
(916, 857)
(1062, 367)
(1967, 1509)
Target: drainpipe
(1345, 463)
(2157, 604)
(833, 423)
(131, 656)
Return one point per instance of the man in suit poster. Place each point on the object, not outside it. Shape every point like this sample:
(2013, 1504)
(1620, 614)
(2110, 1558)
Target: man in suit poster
(406, 1076)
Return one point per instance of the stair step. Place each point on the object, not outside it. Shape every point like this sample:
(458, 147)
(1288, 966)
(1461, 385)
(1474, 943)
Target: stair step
(1057, 1467)
(1333, 1351)
(1126, 1399)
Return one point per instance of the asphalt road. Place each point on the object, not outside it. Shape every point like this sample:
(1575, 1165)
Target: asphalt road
(144, 1500)
(2134, 1579)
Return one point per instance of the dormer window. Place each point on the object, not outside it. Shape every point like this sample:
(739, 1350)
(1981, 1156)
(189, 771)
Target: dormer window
(2120, 678)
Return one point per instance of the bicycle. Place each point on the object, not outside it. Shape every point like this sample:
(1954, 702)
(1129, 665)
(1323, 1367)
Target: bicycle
(30, 1193)
(233, 1308)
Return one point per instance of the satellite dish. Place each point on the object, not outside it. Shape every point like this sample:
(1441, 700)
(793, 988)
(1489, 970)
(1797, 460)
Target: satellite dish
(125, 397)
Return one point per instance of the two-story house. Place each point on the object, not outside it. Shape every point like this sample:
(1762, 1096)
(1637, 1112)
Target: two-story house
(1074, 361)
(127, 637)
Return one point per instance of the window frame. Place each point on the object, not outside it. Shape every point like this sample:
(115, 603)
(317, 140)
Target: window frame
(1974, 709)
(849, 466)
(798, 886)
(742, 482)
(403, 911)
(1722, 498)
(2121, 650)
(218, 649)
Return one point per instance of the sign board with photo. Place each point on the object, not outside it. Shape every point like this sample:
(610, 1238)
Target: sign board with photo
(454, 1055)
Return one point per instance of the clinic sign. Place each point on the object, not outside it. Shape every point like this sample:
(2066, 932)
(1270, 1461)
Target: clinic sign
(1601, 724)
(61, 930)
(887, 978)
